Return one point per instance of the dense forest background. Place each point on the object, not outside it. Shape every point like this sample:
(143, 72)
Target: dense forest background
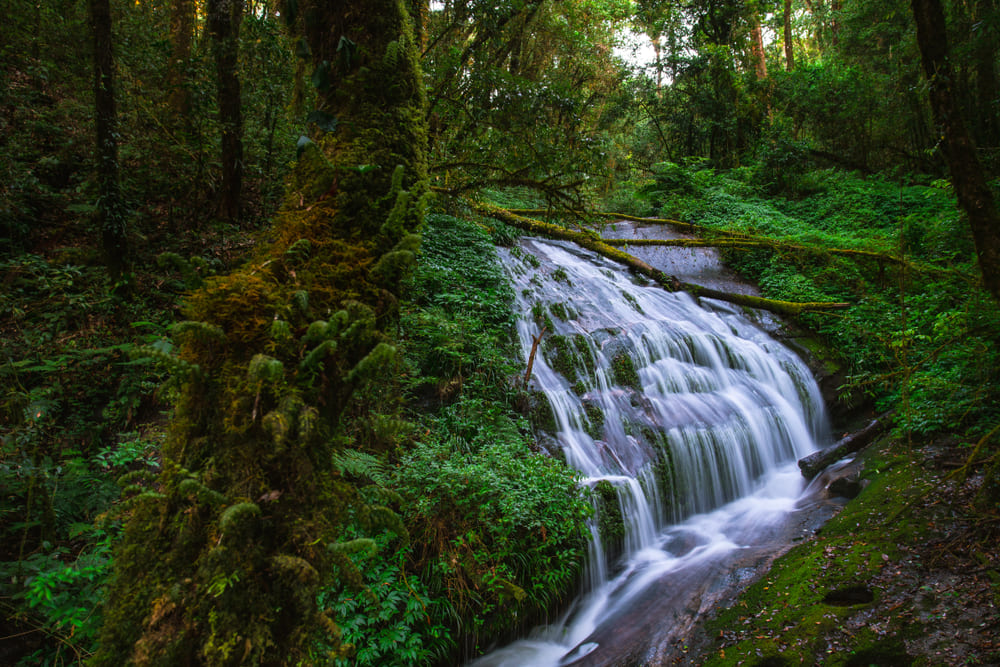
(225, 343)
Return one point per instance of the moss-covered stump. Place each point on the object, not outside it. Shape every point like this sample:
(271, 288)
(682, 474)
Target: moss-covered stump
(223, 554)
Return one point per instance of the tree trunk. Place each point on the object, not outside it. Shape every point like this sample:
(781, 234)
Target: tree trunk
(182, 15)
(224, 18)
(111, 210)
(789, 57)
(224, 553)
(757, 49)
(834, 22)
(987, 89)
(974, 194)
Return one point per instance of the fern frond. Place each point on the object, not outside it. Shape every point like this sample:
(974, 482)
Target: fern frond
(360, 464)
(300, 299)
(176, 366)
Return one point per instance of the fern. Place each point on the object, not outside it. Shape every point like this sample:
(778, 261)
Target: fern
(298, 252)
(393, 52)
(190, 270)
(174, 365)
(361, 464)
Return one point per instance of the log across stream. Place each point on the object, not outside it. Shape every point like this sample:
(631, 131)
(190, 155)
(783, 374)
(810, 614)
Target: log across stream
(686, 419)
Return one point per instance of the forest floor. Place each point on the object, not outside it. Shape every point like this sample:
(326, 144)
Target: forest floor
(905, 574)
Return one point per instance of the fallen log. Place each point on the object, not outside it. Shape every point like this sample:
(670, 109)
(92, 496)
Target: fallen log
(750, 243)
(591, 241)
(688, 226)
(716, 238)
(816, 462)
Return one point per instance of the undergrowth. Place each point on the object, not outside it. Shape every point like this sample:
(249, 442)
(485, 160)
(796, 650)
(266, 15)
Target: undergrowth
(495, 526)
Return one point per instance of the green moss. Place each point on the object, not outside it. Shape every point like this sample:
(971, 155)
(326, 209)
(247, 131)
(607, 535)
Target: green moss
(611, 524)
(623, 370)
(632, 302)
(559, 311)
(595, 420)
(790, 611)
(583, 352)
(561, 357)
(204, 571)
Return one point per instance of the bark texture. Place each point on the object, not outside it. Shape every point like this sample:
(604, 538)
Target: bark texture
(182, 15)
(789, 48)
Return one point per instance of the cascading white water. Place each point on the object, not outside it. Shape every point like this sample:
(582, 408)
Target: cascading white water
(686, 421)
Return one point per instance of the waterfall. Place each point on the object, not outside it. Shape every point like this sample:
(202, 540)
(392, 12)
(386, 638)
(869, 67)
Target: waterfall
(686, 422)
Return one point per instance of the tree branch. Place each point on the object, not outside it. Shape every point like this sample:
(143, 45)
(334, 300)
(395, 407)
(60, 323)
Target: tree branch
(591, 241)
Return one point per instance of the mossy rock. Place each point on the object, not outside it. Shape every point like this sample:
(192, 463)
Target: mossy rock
(610, 523)
(623, 370)
(561, 357)
(540, 412)
(595, 420)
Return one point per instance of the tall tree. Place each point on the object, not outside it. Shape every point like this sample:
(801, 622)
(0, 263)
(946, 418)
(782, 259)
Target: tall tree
(757, 48)
(111, 209)
(224, 18)
(223, 555)
(182, 16)
(789, 54)
(974, 194)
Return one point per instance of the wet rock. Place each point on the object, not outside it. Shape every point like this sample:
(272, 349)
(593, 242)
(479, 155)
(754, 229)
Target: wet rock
(848, 486)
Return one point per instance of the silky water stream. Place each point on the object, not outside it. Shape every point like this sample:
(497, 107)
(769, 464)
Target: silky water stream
(686, 420)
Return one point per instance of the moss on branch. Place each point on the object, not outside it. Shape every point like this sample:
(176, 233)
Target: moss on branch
(592, 241)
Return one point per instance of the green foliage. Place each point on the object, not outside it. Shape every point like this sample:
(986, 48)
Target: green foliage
(460, 325)
(391, 618)
(491, 523)
(500, 526)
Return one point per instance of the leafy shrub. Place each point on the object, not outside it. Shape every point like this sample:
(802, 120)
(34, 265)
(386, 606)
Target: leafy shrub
(392, 619)
(500, 526)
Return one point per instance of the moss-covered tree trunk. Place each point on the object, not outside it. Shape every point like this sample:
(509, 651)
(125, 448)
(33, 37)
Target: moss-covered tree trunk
(224, 552)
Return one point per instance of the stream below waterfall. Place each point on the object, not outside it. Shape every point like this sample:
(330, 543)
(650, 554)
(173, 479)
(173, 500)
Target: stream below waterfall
(686, 421)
